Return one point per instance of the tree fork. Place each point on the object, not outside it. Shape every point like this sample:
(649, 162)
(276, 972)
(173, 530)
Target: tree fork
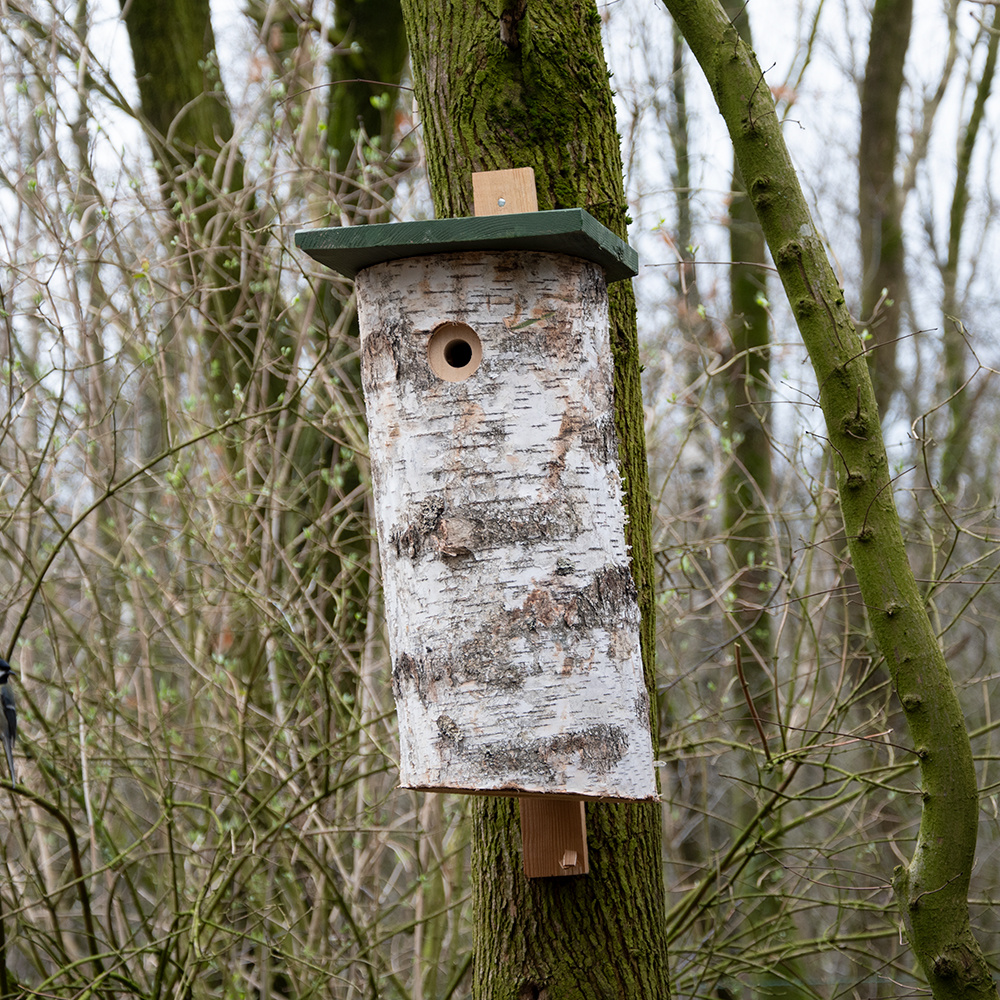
(933, 889)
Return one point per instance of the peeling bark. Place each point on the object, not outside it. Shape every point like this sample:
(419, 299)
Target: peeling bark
(513, 619)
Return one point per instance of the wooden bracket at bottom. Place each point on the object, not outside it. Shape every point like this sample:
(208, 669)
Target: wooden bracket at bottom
(553, 836)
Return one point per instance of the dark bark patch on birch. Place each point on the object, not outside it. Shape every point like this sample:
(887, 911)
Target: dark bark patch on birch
(597, 748)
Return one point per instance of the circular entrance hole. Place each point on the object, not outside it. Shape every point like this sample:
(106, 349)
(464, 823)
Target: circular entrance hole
(454, 352)
(457, 353)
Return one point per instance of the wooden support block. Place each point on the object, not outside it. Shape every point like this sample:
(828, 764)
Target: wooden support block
(504, 192)
(553, 830)
(553, 836)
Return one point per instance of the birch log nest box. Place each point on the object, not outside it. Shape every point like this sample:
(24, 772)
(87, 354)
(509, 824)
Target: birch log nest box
(512, 614)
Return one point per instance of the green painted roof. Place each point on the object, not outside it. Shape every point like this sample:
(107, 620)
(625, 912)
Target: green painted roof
(573, 231)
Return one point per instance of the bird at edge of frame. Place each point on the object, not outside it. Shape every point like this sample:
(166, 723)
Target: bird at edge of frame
(8, 717)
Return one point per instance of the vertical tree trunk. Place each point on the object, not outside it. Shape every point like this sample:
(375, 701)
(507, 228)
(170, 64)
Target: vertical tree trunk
(366, 69)
(747, 483)
(525, 85)
(932, 889)
(883, 277)
(880, 201)
(961, 401)
(747, 490)
(201, 171)
(686, 282)
(190, 133)
(694, 848)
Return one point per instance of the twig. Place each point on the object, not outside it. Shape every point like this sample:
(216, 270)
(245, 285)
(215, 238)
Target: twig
(746, 694)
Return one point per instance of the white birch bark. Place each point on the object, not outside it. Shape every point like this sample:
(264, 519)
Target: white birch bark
(512, 613)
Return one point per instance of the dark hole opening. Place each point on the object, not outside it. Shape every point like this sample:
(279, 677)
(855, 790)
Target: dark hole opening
(458, 353)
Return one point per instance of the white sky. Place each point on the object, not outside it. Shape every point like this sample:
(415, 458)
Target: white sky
(821, 131)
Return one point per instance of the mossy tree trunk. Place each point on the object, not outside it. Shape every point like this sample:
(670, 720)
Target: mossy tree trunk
(932, 889)
(248, 338)
(883, 275)
(513, 84)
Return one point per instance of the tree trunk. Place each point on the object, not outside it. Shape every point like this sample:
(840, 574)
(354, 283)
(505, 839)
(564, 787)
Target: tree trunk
(880, 202)
(747, 524)
(190, 131)
(514, 85)
(366, 70)
(961, 400)
(933, 888)
(247, 338)
(747, 482)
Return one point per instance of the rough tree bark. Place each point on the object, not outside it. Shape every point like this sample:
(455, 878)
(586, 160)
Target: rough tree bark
(932, 889)
(517, 85)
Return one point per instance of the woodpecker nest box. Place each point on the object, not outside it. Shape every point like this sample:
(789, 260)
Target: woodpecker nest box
(512, 613)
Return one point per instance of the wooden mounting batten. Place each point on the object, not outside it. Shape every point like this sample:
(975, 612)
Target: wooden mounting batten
(553, 827)
(553, 836)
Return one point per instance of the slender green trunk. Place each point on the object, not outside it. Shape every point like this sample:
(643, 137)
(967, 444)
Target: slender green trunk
(961, 400)
(525, 85)
(933, 888)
